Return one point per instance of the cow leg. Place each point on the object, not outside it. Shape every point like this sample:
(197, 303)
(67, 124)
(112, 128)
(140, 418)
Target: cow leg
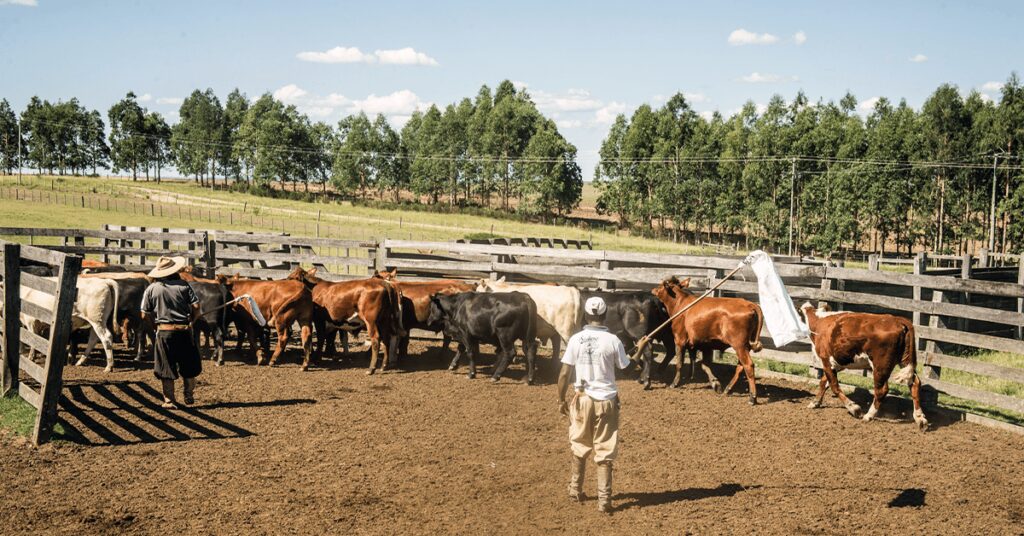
(283, 332)
(881, 380)
(531, 359)
(472, 352)
(705, 364)
(915, 391)
(218, 344)
(505, 354)
(459, 350)
(374, 338)
(306, 334)
(816, 403)
(678, 380)
(101, 333)
(645, 375)
(851, 406)
(745, 365)
(320, 327)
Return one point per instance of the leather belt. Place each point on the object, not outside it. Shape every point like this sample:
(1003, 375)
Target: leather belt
(172, 327)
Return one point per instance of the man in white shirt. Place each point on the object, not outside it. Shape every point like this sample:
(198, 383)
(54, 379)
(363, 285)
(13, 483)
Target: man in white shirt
(593, 354)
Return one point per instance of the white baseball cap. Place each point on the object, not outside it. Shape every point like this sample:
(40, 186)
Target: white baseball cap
(595, 306)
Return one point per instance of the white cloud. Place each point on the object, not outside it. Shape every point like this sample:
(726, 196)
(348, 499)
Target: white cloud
(606, 114)
(743, 37)
(397, 106)
(869, 104)
(144, 98)
(169, 100)
(402, 102)
(919, 58)
(401, 56)
(800, 38)
(696, 97)
(992, 86)
(573, 100)
(337, 55)
(290, 94)
(568, 123)
(26, 3)
(707, 114)
(404, 56)
(985, 97)
(766, 78)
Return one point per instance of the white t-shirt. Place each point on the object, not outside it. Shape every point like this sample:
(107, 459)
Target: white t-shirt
(595, 353)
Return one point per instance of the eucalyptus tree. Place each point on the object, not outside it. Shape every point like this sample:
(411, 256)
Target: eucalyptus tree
(9, 141)
(127, 135)
(353, 170)
(198, 138)
(390, 161)
(235, 108)
(553, 182)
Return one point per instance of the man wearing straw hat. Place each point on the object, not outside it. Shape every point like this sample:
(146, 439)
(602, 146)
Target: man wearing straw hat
(593, 354)
(173, 306)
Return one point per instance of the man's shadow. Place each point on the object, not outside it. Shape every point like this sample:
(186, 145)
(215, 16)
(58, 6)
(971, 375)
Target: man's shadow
(655, 498)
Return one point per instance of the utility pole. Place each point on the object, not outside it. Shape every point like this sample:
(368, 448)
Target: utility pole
(992, 209)
(19, 153)
(792, 204)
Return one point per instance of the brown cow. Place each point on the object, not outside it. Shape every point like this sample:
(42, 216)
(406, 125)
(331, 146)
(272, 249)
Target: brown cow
(281, 303)
(416, 302)
(844, 340)
(338, 304)
(713, 324)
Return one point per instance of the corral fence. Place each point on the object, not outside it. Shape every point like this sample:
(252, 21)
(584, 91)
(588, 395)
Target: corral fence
(958, 312)
(51, 305)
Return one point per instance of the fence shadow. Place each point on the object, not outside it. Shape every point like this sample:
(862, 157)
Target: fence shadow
(126, 413)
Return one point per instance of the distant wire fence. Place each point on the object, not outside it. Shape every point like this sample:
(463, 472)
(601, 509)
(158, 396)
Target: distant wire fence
(189, 212)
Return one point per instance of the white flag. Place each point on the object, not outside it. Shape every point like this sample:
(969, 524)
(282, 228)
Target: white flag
(780, 317)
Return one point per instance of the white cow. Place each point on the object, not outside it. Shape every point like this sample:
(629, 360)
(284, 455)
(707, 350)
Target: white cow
(95, 304)
(558, 306)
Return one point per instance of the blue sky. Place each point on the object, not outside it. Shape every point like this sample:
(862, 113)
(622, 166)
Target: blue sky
(582, 61)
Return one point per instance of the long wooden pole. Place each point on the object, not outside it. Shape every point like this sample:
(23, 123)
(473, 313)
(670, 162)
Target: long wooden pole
(647, 338)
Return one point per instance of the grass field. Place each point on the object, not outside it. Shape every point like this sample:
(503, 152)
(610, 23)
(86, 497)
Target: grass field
(19, 417)
(359, 222)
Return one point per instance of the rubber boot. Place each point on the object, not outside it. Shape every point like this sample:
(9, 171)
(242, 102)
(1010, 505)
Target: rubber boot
(190, 389)
(578, 468)
(167, 386)
(604, 487)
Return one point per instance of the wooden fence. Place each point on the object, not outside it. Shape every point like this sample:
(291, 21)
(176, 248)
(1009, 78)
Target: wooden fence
(957, 311)
(41, 387)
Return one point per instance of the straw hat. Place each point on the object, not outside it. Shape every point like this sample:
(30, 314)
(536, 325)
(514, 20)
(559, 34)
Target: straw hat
(166, 266)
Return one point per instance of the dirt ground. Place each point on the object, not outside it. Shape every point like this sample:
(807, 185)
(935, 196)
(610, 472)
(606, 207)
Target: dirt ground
(423, 451)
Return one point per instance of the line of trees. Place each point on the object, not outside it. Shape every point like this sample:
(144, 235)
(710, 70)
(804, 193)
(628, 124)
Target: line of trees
(495, 149)
(898, 179)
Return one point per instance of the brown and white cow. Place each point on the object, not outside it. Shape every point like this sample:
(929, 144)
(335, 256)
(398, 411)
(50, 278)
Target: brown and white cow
(879, 342)
(281, 303)
(713, 324)
(373, 302)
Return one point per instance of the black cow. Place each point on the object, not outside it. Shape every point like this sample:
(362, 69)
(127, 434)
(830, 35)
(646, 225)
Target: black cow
(213, 324)
(630, 316)
(500, 319)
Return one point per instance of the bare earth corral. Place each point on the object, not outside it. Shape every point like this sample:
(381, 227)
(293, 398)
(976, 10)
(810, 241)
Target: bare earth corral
(275, 450)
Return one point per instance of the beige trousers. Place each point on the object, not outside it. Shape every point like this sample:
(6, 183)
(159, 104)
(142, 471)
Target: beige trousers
(594, 427)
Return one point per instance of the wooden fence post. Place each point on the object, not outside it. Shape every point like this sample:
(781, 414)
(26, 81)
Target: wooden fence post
(984, 259)
(966, 270)
(60, 334)
(12, 326)
(210, 253)
(605, 284)
(930, 396)
(874, 262)
(1020, 301)
(920, 268)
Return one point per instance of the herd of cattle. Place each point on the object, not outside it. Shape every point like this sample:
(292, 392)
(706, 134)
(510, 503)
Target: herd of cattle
(480, 312)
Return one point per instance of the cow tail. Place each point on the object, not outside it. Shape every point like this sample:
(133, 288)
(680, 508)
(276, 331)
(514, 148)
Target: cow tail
(395, 297)
(531, 326)
(755, 345)
(116, 326)
(908, 359)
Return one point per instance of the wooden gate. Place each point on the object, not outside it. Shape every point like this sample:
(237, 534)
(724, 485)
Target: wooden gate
(50, 301)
